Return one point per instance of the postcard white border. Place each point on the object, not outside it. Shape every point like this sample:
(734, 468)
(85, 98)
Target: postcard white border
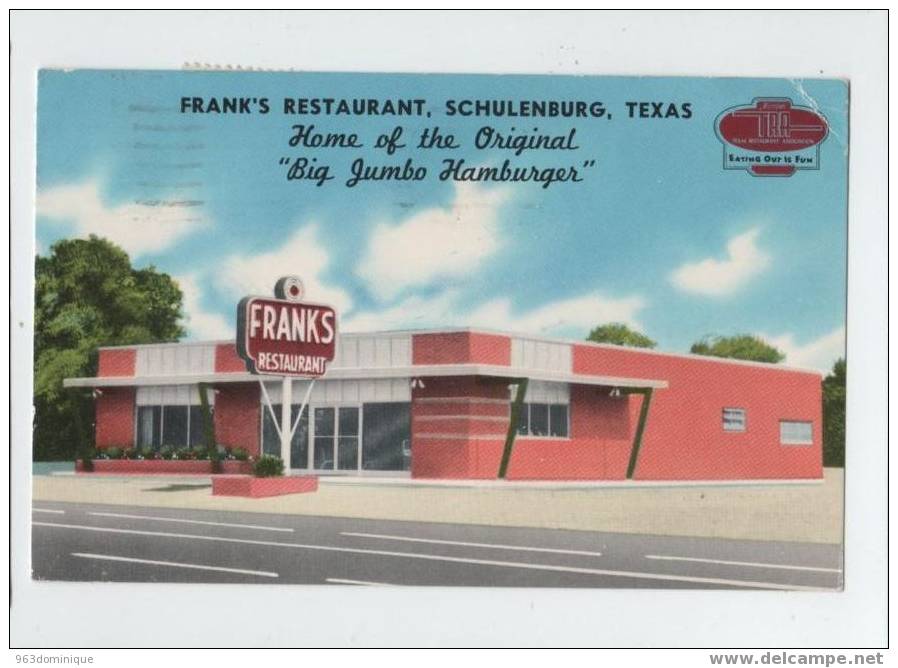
(765, 43)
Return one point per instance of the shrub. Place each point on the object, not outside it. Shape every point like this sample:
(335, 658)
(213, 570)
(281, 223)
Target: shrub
(148, 453)
(87, 458)
(131, 453)
(200, 452)
(240, 454)
(114, 453)
(184, 453)
(166, 452)
(268, 466)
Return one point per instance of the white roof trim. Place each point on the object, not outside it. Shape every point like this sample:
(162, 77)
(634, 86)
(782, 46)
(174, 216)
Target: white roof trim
(349, 373)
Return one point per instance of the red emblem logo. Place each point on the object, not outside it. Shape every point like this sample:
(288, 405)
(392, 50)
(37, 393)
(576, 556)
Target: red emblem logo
(771, 137)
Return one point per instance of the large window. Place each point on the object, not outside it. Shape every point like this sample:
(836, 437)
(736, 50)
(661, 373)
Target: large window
(386, 441)
(175, 426)
(338, 435)
(548, 420)
(733, 419)
(793, 432)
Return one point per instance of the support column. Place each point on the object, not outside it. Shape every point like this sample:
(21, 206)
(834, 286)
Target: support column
(516, 407)
(286, 426)
(640, 428)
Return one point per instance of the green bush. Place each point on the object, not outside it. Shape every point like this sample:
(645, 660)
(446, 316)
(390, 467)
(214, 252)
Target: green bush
(114, 453)
(184, 453)
(148, 453)
(131, 453)
(200, 452)
(166, 452)
(240, 454)
(268, 466)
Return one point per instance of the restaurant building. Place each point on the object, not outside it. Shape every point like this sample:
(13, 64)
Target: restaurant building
(439, 404)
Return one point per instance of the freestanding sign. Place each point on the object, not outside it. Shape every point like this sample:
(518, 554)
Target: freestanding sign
(287, 337)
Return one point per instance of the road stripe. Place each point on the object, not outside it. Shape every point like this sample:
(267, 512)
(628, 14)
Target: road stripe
(743, 563)
(173, 564)
(178, 519)
(459, 560)
(48, 510)
(495, 546)
(356, 582)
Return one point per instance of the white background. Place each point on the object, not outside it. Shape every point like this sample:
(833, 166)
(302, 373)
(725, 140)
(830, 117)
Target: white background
(764, 43)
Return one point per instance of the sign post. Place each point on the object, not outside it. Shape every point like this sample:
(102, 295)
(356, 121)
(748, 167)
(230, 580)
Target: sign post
(286, 337)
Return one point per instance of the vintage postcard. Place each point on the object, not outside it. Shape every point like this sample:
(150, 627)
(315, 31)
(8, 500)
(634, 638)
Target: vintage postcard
(444, 329)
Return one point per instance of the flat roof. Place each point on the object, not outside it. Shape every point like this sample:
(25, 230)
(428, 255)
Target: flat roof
(353, 373)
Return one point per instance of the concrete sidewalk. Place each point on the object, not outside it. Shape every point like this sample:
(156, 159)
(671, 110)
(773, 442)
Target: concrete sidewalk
(809, 512)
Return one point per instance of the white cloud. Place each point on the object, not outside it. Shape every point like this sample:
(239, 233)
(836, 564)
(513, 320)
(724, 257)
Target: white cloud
(201, 324)
(713, 277)
(138, 228)
(819, 353)
(301, 255)
(435, 243)
(568, 315)
(574, 316)
(411, 313)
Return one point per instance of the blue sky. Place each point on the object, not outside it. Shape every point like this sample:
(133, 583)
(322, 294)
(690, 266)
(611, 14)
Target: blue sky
(657, 234)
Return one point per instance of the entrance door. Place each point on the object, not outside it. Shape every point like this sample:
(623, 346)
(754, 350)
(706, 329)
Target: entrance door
(336, 442)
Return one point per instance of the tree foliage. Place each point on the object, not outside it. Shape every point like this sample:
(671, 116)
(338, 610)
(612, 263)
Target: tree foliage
(621, 335)
(834, 415)
(740, 347)
(87, 294)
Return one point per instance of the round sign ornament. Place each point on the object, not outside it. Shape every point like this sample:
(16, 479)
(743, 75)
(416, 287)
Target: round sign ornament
(289, 288)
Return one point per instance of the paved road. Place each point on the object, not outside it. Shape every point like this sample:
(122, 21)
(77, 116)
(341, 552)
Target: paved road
(84, 542)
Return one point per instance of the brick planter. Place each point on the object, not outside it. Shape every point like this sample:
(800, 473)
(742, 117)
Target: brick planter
(163, 467)
(250, 486)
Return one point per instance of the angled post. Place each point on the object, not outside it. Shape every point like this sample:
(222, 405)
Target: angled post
(640, 428)
(515, 413)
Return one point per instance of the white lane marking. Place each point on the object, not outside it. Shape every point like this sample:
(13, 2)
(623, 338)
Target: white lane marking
(185, 521)
(460, 560)
(48, 510)
(495, 546)
(344, 581)
(754, 564)
(174, 564)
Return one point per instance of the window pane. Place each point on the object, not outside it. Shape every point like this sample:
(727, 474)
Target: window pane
(386, 437)
(523, 419)
(348, 452)
(733, 419)
(324, 452)
(796, 433)
(539, 419)
(558, 420)
(349, 421)
(271, 442)
(174, 425)
(324, 422)
(148, 423)
(299, 444)
(196, 426)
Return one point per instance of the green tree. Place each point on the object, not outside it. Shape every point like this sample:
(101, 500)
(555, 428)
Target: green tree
(740, 347)
(87, 294)
(621, 335)
(834, 415)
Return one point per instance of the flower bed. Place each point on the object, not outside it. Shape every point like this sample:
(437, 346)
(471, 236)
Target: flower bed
(252, 487)
(164, 466)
